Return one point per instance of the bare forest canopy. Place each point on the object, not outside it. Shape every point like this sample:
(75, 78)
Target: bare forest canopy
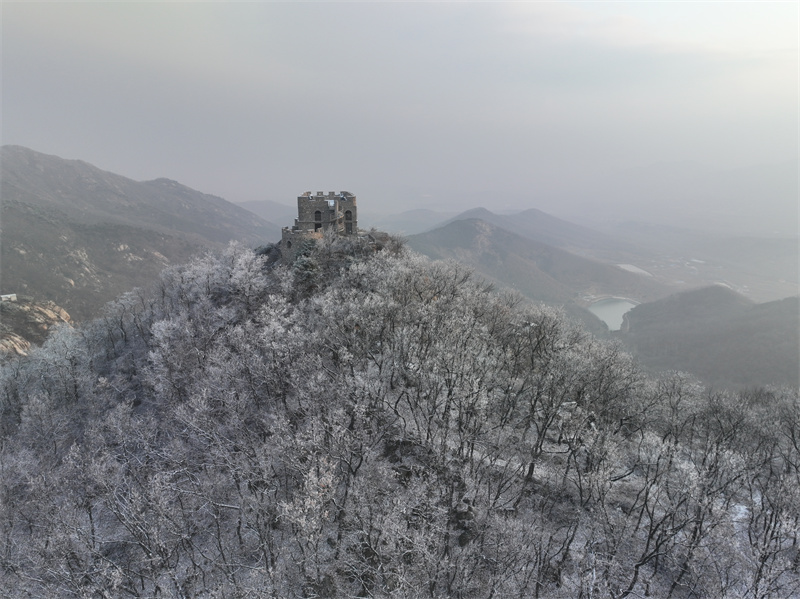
(369, 423)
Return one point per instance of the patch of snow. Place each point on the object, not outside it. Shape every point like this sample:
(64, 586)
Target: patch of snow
(634, 269)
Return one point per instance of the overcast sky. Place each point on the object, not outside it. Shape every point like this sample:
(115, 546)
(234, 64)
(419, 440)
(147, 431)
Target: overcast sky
(407, 105)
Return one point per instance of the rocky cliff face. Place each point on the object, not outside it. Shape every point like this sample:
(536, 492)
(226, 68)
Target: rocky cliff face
(26, 322)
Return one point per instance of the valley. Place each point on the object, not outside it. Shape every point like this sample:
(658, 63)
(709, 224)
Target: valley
(79, 237)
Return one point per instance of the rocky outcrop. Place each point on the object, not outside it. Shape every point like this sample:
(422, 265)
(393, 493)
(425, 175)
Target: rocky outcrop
(27, 322)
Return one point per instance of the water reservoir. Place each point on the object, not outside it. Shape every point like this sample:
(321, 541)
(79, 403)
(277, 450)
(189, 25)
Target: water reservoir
(611, 310)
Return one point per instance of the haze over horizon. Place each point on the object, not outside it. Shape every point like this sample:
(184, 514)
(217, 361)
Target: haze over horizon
(646, 109)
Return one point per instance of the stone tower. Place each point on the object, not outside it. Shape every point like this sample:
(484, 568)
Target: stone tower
(316, 214)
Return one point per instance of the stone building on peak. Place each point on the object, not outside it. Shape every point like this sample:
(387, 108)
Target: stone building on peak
(317, 214)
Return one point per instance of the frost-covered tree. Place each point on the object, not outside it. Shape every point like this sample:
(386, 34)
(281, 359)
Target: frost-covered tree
(368, 423)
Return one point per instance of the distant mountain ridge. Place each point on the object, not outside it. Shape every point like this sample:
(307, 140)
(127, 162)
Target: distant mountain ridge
(411, 222)
(87, 194)
(273, 212)
(80, 236)
(540, 271)
(551, 230)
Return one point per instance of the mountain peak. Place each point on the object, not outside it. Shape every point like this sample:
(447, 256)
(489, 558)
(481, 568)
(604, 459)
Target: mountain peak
(96, 234)
(479, 212)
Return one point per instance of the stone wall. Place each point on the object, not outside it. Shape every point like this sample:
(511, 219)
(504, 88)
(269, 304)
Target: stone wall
(317, 213)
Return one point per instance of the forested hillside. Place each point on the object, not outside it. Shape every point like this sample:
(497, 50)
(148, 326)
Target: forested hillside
(369, 423)
(79, 236)
(720, 336)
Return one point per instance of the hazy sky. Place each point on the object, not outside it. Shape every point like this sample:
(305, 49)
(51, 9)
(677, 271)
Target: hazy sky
(405, 104)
